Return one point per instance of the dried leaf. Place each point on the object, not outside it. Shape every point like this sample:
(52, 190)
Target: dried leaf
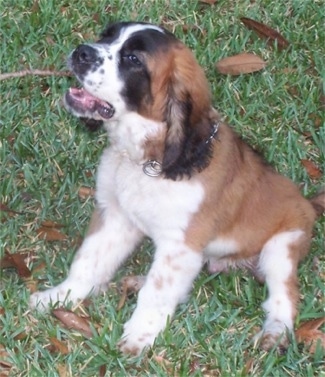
(59, 346)
(63, 370)
(51, 224)
(210, 2)
(49, 231)
(16, 261)
(266, 32)
(164, 363)
(102, 370)
(5, 208)
(309, 334)
(312, 170)
(194, 366)
(3, 356)
(85, 192)
(241, 63)
(248, 366)
(73, 321)
(129, 284)
(21, 336)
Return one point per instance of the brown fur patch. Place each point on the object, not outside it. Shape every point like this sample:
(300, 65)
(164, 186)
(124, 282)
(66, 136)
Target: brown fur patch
(180, 99)
(246, 201)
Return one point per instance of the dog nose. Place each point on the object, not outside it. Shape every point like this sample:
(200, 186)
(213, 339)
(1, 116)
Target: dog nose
(85, 54)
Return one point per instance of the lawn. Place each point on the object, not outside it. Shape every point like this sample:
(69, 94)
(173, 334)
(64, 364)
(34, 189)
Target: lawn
(48, 161)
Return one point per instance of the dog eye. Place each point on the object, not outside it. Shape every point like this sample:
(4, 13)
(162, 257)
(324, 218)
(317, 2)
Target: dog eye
(134, 59)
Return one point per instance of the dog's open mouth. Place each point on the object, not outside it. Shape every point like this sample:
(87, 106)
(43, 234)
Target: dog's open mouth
(85, 104)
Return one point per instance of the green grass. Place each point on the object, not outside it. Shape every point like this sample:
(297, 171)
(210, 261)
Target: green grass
(46, 156)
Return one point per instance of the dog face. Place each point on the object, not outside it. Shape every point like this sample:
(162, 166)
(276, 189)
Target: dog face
(113, 71)
(143, 69)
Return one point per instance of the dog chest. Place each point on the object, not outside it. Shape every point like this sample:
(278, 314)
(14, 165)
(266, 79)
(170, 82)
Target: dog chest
(156, 204)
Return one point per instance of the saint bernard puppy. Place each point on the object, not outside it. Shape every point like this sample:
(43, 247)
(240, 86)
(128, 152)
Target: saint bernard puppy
(175, 172)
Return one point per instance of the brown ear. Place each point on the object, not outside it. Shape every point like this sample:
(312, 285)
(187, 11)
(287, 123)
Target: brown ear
(187, 109)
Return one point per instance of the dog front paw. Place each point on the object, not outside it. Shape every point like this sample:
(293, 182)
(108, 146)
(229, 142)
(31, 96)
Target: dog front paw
(134, 344)
(42, 300)
(141, 331)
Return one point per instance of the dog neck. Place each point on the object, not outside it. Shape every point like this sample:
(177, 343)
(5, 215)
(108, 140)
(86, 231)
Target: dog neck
(153, 167)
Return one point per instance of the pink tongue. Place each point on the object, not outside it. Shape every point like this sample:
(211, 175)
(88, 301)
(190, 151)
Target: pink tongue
(87, 100)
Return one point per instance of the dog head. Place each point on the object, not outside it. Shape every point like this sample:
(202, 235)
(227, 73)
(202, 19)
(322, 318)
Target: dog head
(142, 68)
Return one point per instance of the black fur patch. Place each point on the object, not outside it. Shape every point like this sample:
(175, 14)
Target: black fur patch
(194, 155)
(92, 125)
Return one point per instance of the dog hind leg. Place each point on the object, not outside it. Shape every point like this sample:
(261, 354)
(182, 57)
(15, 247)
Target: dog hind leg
(279, 268)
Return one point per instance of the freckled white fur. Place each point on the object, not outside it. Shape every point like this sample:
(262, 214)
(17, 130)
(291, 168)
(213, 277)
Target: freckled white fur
(275, 264)
(134, 205)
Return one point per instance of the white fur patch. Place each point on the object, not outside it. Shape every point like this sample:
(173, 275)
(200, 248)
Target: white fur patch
(95, 262)
(167, 284)
(221, 247)
(275, 264)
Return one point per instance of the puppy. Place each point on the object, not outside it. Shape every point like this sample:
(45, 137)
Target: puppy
(175, 172)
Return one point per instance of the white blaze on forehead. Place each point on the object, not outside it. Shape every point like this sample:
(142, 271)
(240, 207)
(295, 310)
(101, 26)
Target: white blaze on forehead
(131, 29)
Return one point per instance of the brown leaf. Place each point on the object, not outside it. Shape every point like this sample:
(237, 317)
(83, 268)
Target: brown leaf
(210, 2)
(86, 192)
(309, 334)
(312, 170)
(49, 231)
(73, 321)
(248, 366)
(241, 63)
(5, 208)
(102, 370)
(51, 224)
(3, 356)
(129, 284)
(16, 261)
(59, 346)
(63, 370)
(21, 336)
(266, 32)
(194, 366)
(50, 234)
(9, 212)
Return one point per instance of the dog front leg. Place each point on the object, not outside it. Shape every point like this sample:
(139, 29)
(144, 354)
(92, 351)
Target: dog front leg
(169, 280)
(109, 241)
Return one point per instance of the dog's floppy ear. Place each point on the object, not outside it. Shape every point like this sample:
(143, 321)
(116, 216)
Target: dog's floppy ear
(187, 109)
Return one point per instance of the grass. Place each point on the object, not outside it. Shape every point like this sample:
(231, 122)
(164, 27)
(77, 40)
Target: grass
(46, 157)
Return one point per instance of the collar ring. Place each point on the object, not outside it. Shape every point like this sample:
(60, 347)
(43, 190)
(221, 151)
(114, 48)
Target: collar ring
(152, 168)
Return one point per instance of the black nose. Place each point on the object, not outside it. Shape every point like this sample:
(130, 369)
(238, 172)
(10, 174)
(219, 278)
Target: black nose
(84, 54)
(84, 59)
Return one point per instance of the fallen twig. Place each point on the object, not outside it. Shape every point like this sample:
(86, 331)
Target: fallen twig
(34, 72)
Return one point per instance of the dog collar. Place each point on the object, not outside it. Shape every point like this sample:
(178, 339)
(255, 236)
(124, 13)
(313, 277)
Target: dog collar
(153, 168)
(213, 133)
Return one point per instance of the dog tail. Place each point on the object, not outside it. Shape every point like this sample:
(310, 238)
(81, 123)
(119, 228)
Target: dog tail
(318, 202)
